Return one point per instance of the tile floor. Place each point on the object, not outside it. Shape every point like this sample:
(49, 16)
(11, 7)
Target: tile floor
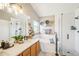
(46, 54)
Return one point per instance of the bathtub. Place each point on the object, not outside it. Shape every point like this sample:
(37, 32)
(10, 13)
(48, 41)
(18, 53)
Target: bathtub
(47, 43)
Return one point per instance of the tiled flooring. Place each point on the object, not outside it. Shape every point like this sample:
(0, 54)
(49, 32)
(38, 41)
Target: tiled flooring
(53, 54)
(46, 54)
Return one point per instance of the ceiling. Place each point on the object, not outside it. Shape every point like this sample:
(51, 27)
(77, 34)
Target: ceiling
(47, 9)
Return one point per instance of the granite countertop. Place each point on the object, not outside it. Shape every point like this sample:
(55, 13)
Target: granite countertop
(17, 48)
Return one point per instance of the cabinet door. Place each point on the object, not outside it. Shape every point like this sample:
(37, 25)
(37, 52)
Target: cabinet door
(26, 52)
(38, 47)
(33, 50)
(20, 54)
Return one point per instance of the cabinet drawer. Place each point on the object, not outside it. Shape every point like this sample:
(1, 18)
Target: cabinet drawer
(26, 52)
(33, 50)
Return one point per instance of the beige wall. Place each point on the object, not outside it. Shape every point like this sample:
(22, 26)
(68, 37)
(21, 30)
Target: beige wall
(4, 15)
(51, 19)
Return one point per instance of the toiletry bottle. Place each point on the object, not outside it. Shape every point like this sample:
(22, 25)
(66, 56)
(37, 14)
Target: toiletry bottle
(2, 44)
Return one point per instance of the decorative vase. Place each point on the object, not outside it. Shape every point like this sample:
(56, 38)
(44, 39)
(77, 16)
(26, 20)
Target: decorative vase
(18, 41)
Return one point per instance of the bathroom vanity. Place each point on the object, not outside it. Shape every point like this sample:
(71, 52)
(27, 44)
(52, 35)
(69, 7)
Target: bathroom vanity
(30, 47)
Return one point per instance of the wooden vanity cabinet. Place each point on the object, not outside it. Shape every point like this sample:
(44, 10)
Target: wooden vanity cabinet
(38, 48)
(33, 50)
(26, 52)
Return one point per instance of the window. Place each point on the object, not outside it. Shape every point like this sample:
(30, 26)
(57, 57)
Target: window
(36, 27)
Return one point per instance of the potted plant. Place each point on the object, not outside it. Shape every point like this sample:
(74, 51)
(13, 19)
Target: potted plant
(18, 38)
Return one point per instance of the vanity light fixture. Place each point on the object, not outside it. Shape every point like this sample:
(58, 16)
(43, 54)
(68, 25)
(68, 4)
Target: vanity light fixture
(17, 8)
(11, 7)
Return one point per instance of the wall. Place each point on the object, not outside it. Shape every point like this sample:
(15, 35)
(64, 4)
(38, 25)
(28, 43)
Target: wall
(4, 25)
(4, 15)
(51, 19)
(4, 29)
